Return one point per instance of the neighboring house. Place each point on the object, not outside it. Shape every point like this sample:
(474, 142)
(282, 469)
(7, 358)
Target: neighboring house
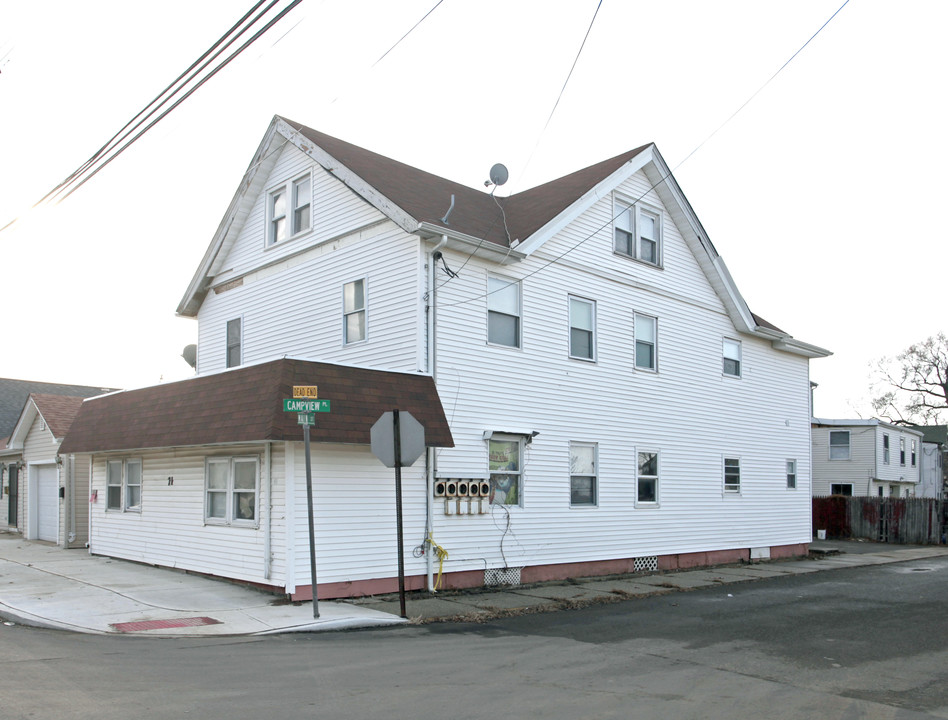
(865, 457)
(53, 489)
(607, 387)
(13, 397)
(932, 467)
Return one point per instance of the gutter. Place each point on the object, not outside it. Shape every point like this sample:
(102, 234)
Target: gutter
(431, 458)
(469, 243)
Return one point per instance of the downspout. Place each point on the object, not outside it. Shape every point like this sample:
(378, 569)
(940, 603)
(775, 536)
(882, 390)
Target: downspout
(89, 500)
(268, 513)
(430, 332)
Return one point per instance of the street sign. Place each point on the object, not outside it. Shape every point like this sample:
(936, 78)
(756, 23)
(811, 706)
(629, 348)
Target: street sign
(412, 436)
(305, 406)
(305, 391)
(306, 419)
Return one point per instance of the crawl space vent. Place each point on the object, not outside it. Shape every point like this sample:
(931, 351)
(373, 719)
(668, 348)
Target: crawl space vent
(502, 576)
(644, 564)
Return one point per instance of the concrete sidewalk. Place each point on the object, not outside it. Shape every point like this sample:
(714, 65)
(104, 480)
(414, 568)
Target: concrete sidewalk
(46, 586)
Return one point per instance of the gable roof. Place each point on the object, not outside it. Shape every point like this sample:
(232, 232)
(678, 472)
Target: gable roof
(57, 411)
(14, 393)
(505, 228)
(245, 404)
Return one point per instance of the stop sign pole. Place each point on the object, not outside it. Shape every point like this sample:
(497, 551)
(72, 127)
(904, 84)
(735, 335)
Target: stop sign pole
(386, 437)
(398, 513)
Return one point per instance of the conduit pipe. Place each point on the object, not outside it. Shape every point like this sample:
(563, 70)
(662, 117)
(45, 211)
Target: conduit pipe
(430, 341)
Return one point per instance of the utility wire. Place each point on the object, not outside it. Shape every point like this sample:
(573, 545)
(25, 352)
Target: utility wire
(73, 181)
(657, 182)
(425, 17)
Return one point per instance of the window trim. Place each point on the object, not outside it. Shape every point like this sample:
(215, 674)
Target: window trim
(364, 310)
(229, 492)
(849, 443)
(507, 437)
(733, 489)
(638, 477)
(122, 485)
(595, 476)
(636, 209)
(739, 359)
(914, 455)
(519, 316)
(791, 469)
(841, 485)
(288, 189)
(902, 451)
(240, 344)
(654, 343)
(885, 448)
(592, 332)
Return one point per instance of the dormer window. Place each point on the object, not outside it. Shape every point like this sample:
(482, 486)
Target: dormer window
(289, 210)
(638, 231)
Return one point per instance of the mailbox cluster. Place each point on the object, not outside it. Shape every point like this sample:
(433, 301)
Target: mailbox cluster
(463, 497)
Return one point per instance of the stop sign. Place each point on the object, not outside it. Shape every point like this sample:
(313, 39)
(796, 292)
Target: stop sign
(411, 435)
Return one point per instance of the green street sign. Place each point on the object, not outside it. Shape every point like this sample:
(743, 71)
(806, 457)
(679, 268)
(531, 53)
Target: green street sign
(306, 419)
(305, 406)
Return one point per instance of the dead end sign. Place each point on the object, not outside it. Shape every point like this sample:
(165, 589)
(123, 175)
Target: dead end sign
(411, 434)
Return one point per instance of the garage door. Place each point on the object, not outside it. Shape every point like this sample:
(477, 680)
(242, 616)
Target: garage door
(47, 496)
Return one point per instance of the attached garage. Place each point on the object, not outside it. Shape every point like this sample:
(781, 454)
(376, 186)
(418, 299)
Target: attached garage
(44, 505)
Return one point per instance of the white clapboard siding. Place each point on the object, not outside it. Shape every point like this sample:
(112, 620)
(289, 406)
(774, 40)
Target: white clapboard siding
(355, 519)
(298, 310)
(336, 210)
(866, 458)
(689, 412)
(170, 529)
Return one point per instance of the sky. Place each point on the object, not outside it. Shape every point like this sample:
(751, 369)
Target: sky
(821, 193)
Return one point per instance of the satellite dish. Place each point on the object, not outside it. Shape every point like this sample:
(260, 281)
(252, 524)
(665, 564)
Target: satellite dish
(190, 355)
(498, 174)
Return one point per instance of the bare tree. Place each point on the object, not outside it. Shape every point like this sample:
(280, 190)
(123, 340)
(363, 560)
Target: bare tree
(913, 386)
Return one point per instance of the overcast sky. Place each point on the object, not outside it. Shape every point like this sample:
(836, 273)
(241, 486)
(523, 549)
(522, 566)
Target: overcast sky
(822, 194)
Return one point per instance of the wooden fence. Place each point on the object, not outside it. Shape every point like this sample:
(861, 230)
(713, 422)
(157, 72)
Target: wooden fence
(916, 521)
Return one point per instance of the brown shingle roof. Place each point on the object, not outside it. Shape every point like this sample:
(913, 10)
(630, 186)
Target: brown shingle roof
(246, 405)
(58, 411)
(427, 197)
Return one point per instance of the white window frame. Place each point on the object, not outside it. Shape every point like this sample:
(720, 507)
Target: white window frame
(239, 345)
(842, 485)
(230, 492)
(354, 311)
(791, 468)
(653, 343)
(735, 356)
(885, 449)
(639, 476)
(594, 478)
(592, 330)
(902, 451)
(839, 446)
(731, 488)
(627, 223)
(914, 453)
(123, 498)
(501, 284)
(518, 473)
(291, 206)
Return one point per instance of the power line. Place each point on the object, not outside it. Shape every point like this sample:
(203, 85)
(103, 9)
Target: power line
(657, 182)
(121, 140)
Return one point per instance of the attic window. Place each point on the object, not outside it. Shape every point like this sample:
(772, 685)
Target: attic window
(289, 210)
(638, 231)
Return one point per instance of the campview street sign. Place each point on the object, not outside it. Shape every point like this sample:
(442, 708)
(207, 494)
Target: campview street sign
(305, 406)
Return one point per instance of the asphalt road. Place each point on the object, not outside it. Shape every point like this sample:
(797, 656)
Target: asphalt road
(864, 642)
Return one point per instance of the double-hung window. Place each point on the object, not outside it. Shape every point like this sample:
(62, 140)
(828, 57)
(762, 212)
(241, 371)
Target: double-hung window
(506, 471)
(289, 210)
(647, 477)
(646, 342)
(582, 474)
(732, 357)
(231, 490)
(233, 342)
(902, 451)
(637, 231)
(732, 475)
(913, 453)
(839, 445)
(791, 474)
(582, 329)
(885, 449)
(503, 312)
(353, 311)
(123, 481)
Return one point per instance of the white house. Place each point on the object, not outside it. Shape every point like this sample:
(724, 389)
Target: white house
(606, 385)
(865, 457)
